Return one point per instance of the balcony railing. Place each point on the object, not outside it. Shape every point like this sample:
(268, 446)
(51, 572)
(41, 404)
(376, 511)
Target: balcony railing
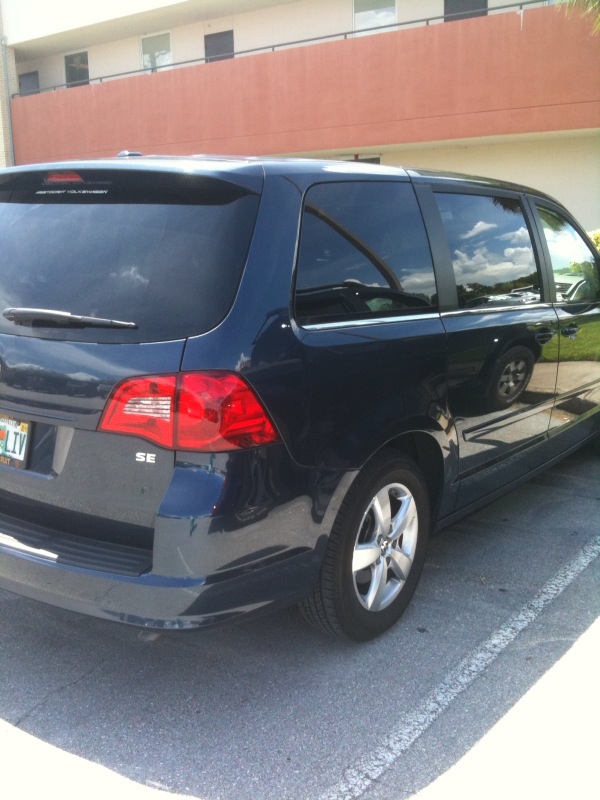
(271, 48)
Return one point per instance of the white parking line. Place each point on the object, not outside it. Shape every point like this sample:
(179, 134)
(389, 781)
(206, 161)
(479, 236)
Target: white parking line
(358, 779)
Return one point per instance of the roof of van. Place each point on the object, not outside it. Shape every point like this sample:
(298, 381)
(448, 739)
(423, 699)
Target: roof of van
(256, 165)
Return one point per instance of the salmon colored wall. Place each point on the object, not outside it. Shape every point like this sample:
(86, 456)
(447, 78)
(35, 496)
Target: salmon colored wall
(496, 75)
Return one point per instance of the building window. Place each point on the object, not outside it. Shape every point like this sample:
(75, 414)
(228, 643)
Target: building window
(218, 46)
(77, 72)
(156, 51)
(461, 9)
(373, 13)
(29, 83)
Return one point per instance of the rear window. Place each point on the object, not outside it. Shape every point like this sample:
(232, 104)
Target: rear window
(164, 251)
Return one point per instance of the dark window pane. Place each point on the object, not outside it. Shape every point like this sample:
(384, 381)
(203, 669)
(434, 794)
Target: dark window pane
(76, 69)
(461, 9)
(491, 249)
(29, 83)
(132, 248)
(218, 46)
(363, 253)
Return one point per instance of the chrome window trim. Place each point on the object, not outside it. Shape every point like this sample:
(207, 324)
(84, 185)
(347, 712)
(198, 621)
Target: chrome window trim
(471, 311)
(361, 323)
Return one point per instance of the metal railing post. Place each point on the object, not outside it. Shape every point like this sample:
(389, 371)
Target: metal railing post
(6, 100)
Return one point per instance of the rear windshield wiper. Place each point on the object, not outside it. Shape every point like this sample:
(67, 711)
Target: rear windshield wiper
(38, 317)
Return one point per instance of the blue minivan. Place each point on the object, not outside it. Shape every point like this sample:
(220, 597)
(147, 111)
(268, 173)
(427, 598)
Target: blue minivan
(228, 384)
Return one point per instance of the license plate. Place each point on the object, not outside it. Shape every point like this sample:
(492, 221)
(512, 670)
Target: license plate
(14, 438)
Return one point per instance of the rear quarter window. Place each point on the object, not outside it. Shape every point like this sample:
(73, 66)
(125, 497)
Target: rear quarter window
(163, 251)
(363, 253)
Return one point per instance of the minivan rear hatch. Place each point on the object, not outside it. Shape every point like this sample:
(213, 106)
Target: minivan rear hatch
(105, 272)
(161, 251)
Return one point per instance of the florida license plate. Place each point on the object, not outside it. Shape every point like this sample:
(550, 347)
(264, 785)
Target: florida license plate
(14, 438)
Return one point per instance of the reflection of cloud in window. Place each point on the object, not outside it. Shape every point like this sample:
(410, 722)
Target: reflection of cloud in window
(465, 263)
(485, 267)
(477, 229)
(520, 236)
(414, 282)
(418, 282)
(130, 275)
(566, 248)
(519, 255)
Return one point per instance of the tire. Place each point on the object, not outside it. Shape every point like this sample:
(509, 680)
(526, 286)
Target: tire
(509, 378)
(375, 553)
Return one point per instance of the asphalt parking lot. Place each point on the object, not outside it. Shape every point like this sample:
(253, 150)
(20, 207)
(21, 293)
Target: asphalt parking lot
(487, 687)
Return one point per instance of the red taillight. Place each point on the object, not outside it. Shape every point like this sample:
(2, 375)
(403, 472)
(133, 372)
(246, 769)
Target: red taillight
(202, 411)
(143, 407)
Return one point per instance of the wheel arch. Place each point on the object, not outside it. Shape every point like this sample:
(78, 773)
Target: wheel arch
(425, 450)
(408, 466)
(435, 452)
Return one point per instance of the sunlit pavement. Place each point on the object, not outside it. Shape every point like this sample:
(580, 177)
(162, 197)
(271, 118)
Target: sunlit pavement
(546, 746)
(32, 769)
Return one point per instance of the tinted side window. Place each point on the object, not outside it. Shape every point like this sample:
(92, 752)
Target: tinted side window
(492, 254)
(363, 253)
(574, 265)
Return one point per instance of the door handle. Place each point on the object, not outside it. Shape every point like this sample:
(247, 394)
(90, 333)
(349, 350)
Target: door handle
(544, 332)
(570, 331)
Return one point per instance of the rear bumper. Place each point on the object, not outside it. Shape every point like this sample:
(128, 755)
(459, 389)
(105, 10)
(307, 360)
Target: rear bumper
(232, 537)
(156, 601)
